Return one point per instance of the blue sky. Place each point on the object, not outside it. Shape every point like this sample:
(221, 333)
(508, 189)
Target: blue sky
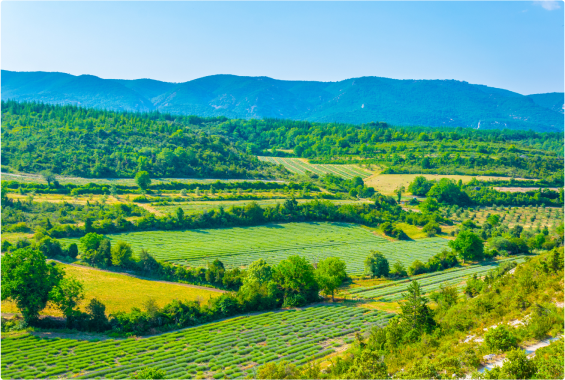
(512, 45)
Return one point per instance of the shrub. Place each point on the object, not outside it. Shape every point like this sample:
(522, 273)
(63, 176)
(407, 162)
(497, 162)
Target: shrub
(500, 338)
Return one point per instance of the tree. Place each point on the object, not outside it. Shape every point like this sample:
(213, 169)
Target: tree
(420, 186)
(67, 295)
(416, 314)
(72, 251)
(429, 205)
(180, 215)
(398, 270)
(376, 264)
(49, 177)
(28, 280)
(431, 229)
(91, 241)
(500, 338)
(330, 274)
(121, 254)
(294, 277)
(468, 246)
(150, 373)
(97, 315)
(447, 191)
(3, 193)
(399, 192)
(259, 271)
(142, 179)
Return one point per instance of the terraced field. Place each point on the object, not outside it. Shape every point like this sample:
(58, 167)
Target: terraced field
(298, 166)
(228, 349)
(275, 242)
(429, 281)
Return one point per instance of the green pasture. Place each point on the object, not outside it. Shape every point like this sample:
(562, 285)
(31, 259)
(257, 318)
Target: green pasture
(227, 349)
(240, 246)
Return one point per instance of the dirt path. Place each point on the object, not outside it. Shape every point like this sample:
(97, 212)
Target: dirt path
(145, 278)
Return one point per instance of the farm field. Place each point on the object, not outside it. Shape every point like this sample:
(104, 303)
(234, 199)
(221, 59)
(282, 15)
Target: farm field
(35, 178)
(300, 166)
(121, 292)
(275, 242)
(388, 183)
(392, 291)
(200, 206)
(227, 349)
(528, 217)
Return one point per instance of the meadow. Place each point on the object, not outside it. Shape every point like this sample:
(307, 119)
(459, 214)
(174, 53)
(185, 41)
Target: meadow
(301, 165)
(240, 246)
(121, 292)
(388, 183)
(227, 349)
(392, 290)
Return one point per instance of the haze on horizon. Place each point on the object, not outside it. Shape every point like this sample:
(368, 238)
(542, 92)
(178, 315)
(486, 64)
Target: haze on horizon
(512, 45)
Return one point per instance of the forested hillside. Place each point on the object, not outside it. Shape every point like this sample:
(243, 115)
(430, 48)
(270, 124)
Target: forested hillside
(358, 100)
(93, 143)
(407, 150)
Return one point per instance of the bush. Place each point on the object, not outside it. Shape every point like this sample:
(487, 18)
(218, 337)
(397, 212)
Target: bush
(500, 339)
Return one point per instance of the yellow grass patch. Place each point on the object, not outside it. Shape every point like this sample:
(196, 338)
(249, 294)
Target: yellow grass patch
(388, 183)
(120, 292)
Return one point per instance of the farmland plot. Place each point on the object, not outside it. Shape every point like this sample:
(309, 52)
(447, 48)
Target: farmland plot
(240, 246)
(227, 349)
(429, 282)
(298, 166)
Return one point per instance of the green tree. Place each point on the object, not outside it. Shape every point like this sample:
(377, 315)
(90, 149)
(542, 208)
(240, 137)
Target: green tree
(398, 270)
(468, 246)
(259, 271)
(150, 373)
(49, 177)
(67, 295)
(429, 205)
(420, 186)
(27, 279)
(376, 264)
(72, 251)
(122, 254)
(500, 338)
(330, 274)
(142, 179)
(91, 241)
(447, 191)
(415, 313)
(3, 193)
(294, 277)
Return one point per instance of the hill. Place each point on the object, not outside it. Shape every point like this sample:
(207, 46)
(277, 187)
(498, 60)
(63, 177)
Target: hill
(356, 100)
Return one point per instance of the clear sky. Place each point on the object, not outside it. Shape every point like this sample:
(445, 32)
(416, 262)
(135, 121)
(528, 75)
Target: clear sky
(513, 45)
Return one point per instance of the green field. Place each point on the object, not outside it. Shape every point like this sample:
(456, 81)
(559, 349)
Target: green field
(392, 291)
(228, 349)
(298, 166)
(240, 246)
(528, 217)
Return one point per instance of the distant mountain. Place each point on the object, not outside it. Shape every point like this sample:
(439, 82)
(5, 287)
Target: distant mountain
(357, 100)
(553, 101)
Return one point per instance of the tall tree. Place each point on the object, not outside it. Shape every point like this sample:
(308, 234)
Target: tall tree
(330, 274)
(28, 279)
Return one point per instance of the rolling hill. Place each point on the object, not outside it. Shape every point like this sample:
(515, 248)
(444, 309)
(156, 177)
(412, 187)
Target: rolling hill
(356, 100)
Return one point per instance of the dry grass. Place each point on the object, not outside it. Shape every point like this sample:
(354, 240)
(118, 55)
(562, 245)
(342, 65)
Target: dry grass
(121, 292)
(387, 183)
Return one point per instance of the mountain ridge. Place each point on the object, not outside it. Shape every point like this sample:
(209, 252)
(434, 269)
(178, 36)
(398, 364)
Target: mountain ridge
(355, 100)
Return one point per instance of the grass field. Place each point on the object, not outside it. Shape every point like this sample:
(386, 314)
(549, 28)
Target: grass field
(388, 183)
(120, 292)
(300, 166)
(227, 349)
(275, 242)
(392, 290)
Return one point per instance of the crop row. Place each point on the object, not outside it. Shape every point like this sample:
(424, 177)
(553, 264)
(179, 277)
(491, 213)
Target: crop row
(298, 166)
(431, 282)
(314, 241)
(227, 349)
